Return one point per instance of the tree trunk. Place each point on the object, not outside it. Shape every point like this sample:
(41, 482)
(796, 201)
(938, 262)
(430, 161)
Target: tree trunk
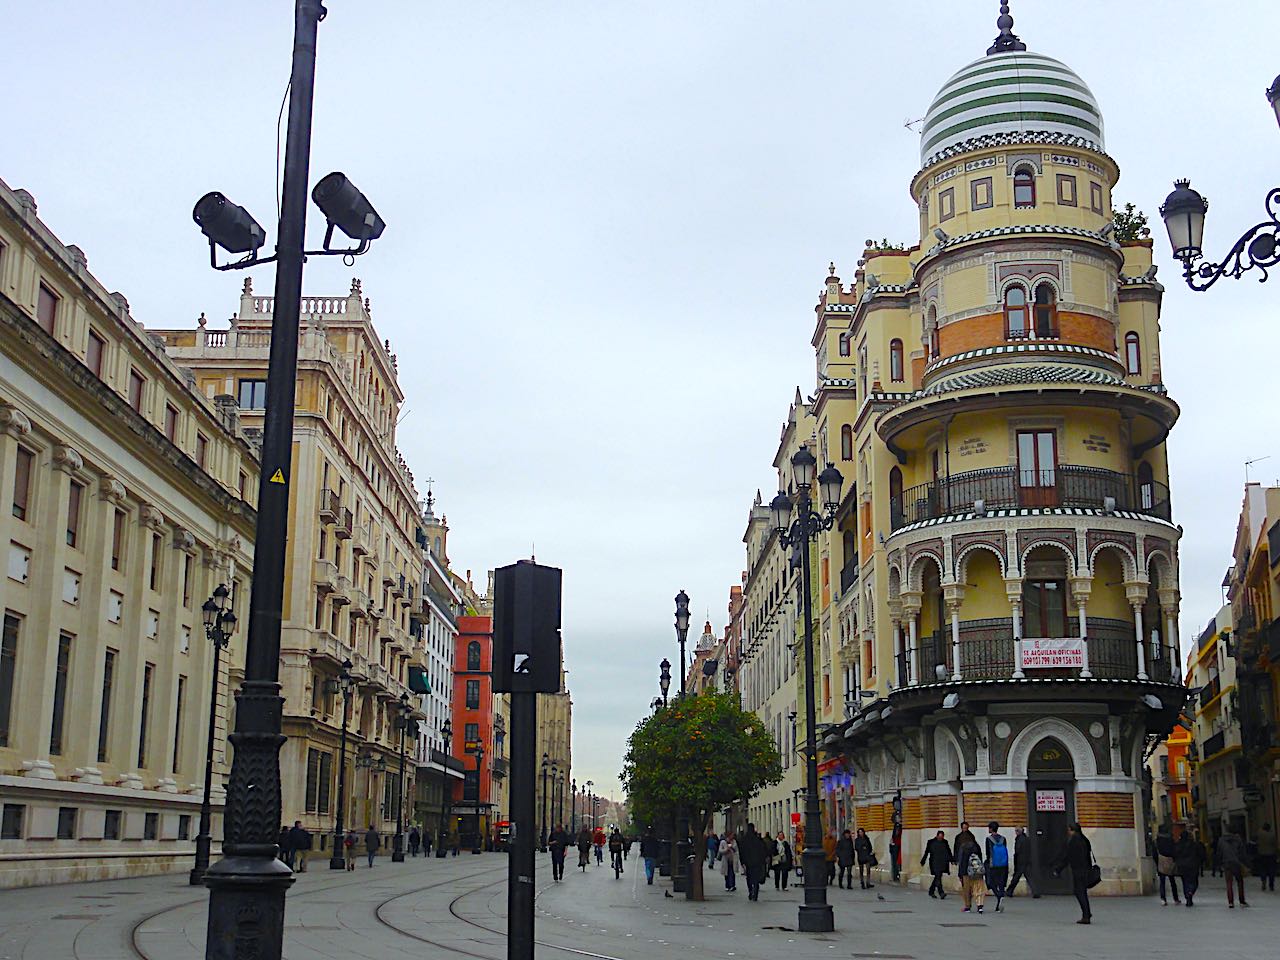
(693, 882)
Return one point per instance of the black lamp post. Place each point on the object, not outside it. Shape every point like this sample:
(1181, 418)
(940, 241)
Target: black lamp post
(664, 678)
(345, 684)
(479, 751)
(446, 733)
(219, 624)
(247, 885)
(560, 799)
(573, 807)
(542, 843)
(552, 820)
(1183, 212)
(680, 851)
(815, 913)
(682, 632)
(402, 724)
(587, 805)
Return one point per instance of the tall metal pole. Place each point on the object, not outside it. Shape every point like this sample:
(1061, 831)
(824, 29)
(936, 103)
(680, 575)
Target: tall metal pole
(573, 809)
(542, 843)
(337, 861)
(521, 866)
(203, 838)
(247, 886)
(397, 842)
(816, 915)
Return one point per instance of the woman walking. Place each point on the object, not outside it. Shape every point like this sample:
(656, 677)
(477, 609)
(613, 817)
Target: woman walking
(728, 857)
(783, 864)
(1188, 861)
(1166, 865)
(866, 860)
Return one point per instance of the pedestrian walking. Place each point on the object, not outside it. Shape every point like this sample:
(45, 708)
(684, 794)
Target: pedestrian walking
(415, 840)
(937, 852)
(372, 843)
(1266, 862)
(1078, 856)
(972, 873)
(349, 848)
(455, 842)
(649, 853)
(299, 843)
(1166, 864)
(615, 852)
(727, 856)
(626, 846)
(285, 843)
(1231, 851)
(866, 858)
(558, 843)
(997, 862)
(829, 854)
(1188, 863)
(755, 860)
(783, 864)
(713, 849)
(1021, 862)
(1215, 857)
(426, 843)
(963, 836)
(845, 858)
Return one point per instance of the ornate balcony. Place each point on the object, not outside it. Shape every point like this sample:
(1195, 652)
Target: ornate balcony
(1008, 488)
(330, 505)
(342, 525)
(325, 575)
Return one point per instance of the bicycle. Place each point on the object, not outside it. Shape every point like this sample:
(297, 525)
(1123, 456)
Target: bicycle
(617, 864)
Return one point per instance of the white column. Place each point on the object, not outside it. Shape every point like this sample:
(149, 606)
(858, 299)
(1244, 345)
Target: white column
(1084, 637)
(1016, 607)
(912, 676)
(955, 641)
(1142, 653)
(1175, 648)
(897, 654)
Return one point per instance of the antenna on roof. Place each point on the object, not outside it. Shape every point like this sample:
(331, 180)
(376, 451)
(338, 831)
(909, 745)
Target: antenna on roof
(1249, 463)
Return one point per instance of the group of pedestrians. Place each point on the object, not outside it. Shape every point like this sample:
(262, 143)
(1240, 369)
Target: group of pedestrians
(1183, 858)
(752, 854)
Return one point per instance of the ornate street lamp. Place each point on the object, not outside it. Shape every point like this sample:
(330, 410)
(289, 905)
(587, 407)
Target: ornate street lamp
(345, 684)
(402, 723)
(680, 853)
(446, 734)
(479, 752)
(664, 678)
(682, 632)
(555, 780)
(588, 805)
(219, 624)
(542, 843)
(799, 523)
(573, 807)
(1184, 211)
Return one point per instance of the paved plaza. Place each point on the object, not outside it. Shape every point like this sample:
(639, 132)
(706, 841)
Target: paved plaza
(457, 907)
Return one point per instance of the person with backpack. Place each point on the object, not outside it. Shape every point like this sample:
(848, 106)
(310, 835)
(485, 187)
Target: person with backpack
(938, 854)
(973, 884)
(997, 862)
(349, 848)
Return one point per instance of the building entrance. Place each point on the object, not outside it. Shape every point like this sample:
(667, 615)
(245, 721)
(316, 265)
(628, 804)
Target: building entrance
(1051, 805)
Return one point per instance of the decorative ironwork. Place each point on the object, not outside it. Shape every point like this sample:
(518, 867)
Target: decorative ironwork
(1258, 247)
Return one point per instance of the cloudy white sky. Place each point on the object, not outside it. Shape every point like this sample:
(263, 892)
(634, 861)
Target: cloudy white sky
(607, 226)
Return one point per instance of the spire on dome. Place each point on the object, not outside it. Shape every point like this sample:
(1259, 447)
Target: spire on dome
(1006, 41)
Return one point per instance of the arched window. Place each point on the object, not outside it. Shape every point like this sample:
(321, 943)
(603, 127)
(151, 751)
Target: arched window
(1132, 353)
(846, 442)
(844, 344)
(473, 655)
(1046, 312)
(1015, 313)
(1024, 187)
(895, 498)
(895, 360)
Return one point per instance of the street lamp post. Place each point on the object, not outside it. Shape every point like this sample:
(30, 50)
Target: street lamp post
(219, 624)
(586, 806)
(560, 800)
(542, 843)
(555, 780)
(815, 913)
(1183, 212)
(680, 850)
(664, 678)
(345, 684)
(479, 751)
(247, 885)
(397, 842)
(682, 632)
(446, 734)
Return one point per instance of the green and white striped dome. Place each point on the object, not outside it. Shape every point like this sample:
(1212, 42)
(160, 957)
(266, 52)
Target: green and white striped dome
(1007, 93)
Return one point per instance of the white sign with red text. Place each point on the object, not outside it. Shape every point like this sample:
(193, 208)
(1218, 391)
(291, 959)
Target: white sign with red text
(1051, 801)
(1052, 653)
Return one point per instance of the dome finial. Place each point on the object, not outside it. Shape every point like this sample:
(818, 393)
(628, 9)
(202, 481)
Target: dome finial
(1006, 41)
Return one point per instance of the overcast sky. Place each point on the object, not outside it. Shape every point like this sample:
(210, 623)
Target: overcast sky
(607, 225)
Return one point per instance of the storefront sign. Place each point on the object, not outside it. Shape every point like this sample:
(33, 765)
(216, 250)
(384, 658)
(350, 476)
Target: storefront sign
(1052, 653)
(1051, 801)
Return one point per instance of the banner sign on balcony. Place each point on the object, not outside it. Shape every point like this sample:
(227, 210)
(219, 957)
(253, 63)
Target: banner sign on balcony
(1051, 801)
(1052, 653)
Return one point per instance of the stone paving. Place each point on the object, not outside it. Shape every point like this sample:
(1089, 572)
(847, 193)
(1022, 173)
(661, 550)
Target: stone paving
(457, 907)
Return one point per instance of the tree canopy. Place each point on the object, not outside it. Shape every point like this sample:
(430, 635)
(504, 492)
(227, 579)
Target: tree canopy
(702, 753)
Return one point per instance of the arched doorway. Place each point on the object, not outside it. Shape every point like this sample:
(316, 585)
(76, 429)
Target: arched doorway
(1051, 805)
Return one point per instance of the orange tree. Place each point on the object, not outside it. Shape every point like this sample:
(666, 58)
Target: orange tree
(701, 753)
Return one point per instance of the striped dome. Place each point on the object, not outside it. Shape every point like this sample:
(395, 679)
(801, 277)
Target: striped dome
(1010, 92)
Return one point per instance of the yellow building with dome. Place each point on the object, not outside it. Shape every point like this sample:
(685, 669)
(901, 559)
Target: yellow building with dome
(996, 606)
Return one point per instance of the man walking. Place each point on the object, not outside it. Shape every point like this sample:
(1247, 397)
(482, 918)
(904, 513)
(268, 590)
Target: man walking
(1021, 861)
(372, 843)
(558, 843)
(1078, 855)
(1267, 858)
(1232, 853)
(997, 862)
(415, 840)
(938, 854)
(299, 844)
(285, 843)
(965, 836)
(751, 850)
(648, 853)
(1188, 863)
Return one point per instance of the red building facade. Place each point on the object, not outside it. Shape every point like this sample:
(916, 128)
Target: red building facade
(473, 728)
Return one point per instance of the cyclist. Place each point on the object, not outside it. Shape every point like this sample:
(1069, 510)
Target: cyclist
(598, 840)
(615, 852)
(584, 848)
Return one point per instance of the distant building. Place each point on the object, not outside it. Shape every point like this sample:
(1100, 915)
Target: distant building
(1217, 797)
(471, 808)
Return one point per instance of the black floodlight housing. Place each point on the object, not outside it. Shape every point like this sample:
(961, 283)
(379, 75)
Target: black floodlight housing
(345, 207)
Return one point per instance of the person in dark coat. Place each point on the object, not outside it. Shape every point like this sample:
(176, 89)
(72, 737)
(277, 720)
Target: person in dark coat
(959, 840)
(784, 863)
(372, 843)
(284, 842)
(938, 854)
(415, 840)
(866, 859)
(648, 853)
(1166, 865)
(755, 860)
(1078, 855)
(558, 842)
(1234, 857)
(1188, 862)
(996, 862)
(1021, 861)
(844, 858)
(299, 844)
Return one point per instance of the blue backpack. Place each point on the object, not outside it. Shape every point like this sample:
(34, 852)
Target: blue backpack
(999, 852)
